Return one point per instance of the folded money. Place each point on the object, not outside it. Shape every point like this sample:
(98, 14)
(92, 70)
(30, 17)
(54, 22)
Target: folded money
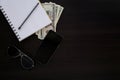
(54, 12)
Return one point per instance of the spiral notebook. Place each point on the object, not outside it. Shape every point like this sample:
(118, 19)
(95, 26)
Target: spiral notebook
(25, 17)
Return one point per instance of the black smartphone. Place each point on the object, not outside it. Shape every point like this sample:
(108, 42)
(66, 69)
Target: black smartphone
(47, 47)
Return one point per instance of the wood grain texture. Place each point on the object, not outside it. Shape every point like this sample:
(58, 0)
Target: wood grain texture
(90, 49)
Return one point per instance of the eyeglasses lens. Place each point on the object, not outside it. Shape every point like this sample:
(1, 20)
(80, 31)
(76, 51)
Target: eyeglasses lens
(27, 62)
(12, 51)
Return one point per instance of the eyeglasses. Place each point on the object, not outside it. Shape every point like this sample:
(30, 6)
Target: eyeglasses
(26, 61)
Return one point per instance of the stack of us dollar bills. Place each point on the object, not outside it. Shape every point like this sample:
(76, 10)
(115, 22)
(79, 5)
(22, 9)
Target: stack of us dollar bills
(54, 11)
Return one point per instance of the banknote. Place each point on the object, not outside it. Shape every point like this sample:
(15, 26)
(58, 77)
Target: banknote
(50, 11)
(54, 12)
(59, 12)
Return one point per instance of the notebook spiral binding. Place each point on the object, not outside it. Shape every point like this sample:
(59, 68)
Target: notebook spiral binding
(10, 23)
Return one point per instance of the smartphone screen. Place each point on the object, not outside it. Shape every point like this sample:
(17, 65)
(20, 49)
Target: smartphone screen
(47, 47)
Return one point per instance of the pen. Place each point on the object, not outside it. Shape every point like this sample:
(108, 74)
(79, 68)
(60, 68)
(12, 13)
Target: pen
(28, 16)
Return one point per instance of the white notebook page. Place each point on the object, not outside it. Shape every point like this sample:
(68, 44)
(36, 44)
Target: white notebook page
(18, 10)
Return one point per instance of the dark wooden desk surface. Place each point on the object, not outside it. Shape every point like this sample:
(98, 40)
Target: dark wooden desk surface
(90, 49)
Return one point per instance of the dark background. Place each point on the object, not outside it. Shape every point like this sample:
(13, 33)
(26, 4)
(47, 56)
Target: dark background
(90, 49)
